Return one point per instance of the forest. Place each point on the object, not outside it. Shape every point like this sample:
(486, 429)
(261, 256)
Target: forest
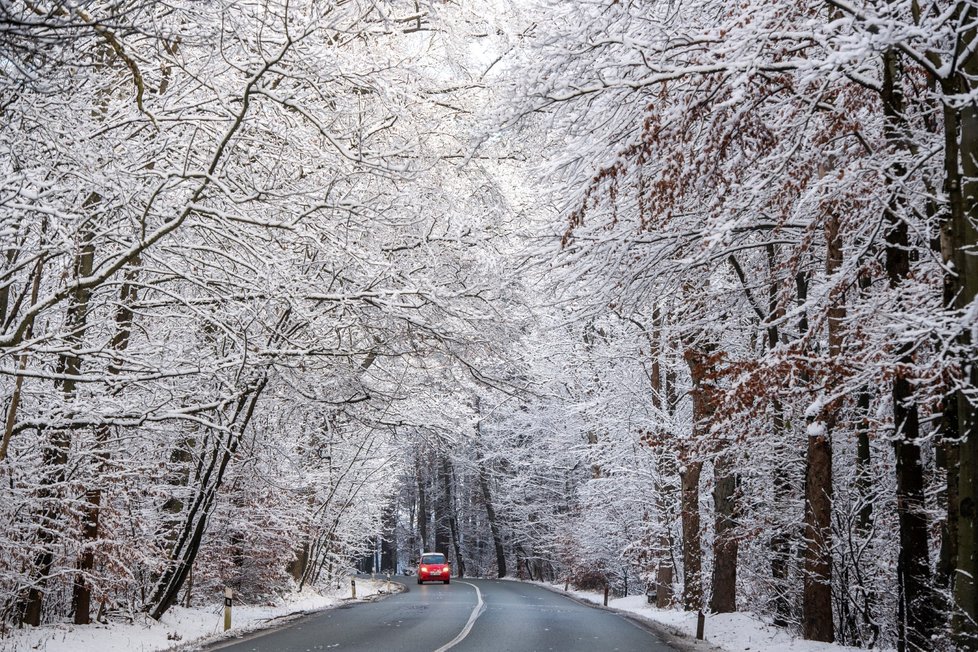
(668, 297)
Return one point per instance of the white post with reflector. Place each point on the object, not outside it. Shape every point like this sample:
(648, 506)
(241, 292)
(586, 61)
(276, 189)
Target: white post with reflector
(228, 594)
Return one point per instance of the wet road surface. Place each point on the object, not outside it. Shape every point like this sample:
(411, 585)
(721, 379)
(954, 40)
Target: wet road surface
(464, 616)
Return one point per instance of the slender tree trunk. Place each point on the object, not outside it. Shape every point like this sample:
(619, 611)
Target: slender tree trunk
(452, 515)
(422, 505)
(497, 540)
(443, 508)
(781, 540)
(961, 237)
(913, 566)
(817, 582)
(485, 488)
(864, 491)
(388, 544)
(195, 521)
(664, 490)
(11, 419)
(723, 598)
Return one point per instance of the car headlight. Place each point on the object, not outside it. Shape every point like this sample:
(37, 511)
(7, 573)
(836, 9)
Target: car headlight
(424, 569)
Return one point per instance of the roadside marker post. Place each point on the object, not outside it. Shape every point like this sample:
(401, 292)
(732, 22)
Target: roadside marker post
(700, 625)
(228, 594)
(606, 595)
(388, 581)
(353, 586)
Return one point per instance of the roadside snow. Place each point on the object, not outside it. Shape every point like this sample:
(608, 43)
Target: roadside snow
(181, 629)
(736, 632)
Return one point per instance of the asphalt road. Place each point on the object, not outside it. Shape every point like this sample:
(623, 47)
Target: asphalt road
(465, 616)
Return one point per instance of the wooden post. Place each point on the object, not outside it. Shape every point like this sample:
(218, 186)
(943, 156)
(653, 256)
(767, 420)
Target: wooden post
(606, 595)
(353, 586)
(228, 594)
(566, 583)
(700, 625)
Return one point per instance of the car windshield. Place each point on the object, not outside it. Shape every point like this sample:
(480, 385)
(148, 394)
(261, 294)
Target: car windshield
(433, 559)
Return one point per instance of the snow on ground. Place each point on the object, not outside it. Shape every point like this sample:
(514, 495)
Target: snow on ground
(181, 629)
(736, 632)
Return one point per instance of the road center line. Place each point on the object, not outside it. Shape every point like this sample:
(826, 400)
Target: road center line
(480, 606)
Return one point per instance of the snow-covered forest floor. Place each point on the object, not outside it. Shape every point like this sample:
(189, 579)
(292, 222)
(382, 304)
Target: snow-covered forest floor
(733, 632)
(183, 629)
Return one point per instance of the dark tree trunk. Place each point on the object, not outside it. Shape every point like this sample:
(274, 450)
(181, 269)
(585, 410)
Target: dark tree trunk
(913, 566)
(724, 595)
(443, 530)
(699, 359)
(692, 554)
(864, 475)
(781, 540)
(949, 451)
(388, 545)
(497, 540)
(817, 596)
(195, 520)
(452, 515)
(422, 506)
(961, 238)
(817, 583)
(486, 488)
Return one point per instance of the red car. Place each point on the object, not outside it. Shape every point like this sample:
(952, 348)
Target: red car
(433, 566)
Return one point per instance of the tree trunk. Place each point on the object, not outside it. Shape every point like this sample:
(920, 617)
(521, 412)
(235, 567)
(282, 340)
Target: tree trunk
(692, 554)
(817, 596)
(665, 490)
(817, 583)
(723, 598)
(698, 359)
(447, 473)
(443, 508)
(497, 540)
(388, 544)
(781, 540)
(195, 520)
(961, 237)
(11, 418)
(422, 506)
(484, 486)
(665, 501)
(913, 566)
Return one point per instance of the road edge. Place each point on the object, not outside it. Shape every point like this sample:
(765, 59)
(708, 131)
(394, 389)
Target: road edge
(221, 641)
(669, 635)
